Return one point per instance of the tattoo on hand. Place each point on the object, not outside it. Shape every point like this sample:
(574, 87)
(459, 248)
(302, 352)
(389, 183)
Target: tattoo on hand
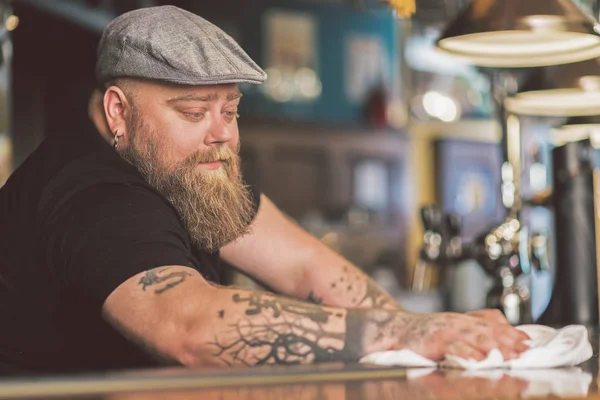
(156, 277)
(282, 331)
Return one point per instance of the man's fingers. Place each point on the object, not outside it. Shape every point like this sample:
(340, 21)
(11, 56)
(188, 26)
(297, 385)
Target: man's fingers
(508, 353)
(522, 335)
(464, 350)
(483, 343)
(511, 343)
(507, 333)
(510, 349)
(471, 336)
(521, 347)
(499, 318)
(491, 315)
(489, 335)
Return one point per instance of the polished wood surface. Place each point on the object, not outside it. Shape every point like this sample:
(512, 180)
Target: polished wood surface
(316, 382)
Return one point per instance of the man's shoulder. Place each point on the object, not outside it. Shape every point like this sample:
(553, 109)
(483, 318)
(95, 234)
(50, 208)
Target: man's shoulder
(103, 173)
(96, 168)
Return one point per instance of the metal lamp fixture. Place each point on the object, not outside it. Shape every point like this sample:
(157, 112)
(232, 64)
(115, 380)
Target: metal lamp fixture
(522, 33)
(574, 133)
(564, 91)
(510, 35)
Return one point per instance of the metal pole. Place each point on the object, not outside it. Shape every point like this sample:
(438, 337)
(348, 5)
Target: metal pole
(504, 84)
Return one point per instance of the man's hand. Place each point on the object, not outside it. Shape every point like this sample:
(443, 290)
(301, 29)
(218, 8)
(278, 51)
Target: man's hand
(463, 335)
(490, 315)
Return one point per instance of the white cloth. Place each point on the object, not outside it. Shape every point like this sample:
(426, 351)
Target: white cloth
(549, 348)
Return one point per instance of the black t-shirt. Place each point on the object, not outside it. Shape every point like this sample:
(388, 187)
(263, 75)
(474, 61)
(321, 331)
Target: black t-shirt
(76, 221)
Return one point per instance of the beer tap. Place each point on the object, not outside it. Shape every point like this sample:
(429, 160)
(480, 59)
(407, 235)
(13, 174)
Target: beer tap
(505, 252)
(431, 250)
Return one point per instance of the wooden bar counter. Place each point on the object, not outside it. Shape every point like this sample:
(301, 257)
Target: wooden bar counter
(314, 382)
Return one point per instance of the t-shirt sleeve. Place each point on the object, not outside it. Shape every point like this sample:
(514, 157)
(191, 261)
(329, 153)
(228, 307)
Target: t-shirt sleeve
(108, 233)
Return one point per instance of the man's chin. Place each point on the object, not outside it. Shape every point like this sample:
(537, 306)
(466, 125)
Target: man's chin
(216, 174)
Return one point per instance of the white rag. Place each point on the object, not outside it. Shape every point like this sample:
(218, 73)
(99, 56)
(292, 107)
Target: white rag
(549, 348)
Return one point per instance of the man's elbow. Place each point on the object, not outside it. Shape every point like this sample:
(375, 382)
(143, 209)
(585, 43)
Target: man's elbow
(193, 352)
(196, 345)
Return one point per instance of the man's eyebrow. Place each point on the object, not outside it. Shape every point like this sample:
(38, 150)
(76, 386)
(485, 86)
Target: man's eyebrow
(203, 97)
(235, 95)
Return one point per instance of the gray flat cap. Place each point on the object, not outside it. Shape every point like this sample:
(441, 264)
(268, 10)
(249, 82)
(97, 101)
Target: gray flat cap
(169, 44)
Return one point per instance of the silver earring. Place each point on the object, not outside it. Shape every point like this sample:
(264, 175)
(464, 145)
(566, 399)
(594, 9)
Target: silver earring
(116, 140)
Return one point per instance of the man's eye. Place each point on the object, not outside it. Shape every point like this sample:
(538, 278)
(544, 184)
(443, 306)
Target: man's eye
(232, 114)
(195, 115)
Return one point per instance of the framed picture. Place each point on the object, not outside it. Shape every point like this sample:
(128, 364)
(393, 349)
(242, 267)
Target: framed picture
(290, 53)
(371, 184)
(469, 183)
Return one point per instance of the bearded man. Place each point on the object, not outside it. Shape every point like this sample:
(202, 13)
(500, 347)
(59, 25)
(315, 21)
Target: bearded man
(110, 242)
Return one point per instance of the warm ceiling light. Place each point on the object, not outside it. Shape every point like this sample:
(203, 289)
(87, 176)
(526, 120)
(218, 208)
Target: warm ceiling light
(403, 8)
(522, 33)
(574, 133)
(560, 91)
(11, 23)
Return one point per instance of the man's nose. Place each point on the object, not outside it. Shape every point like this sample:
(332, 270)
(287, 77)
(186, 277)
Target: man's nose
(218, 131)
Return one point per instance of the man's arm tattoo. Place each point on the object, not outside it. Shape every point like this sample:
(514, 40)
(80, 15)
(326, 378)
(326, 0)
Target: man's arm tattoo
(361, 291)
(376, 297)
(276, 330)
(162, 280)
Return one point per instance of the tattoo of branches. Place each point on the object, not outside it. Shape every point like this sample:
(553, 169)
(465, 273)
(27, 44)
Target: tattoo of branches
(280, 331)
(286, 343)
(156, 276)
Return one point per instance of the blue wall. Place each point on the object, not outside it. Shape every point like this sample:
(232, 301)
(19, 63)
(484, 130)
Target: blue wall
(334, 24)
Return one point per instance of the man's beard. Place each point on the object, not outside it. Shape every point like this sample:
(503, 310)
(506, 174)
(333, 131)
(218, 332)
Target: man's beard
(215, 206)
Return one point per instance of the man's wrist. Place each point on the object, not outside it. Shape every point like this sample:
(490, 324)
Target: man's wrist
(372, 330)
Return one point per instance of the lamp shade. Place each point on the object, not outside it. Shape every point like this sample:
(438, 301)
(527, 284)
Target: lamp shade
(561, 91)
(522, 33)
(574, 133)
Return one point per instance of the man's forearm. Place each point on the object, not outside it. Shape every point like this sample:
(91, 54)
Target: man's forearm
(256, 328)
(299, 265)
(174, 313)
(334, 281)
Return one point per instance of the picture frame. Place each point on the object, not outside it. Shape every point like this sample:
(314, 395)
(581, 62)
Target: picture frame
(468, 180)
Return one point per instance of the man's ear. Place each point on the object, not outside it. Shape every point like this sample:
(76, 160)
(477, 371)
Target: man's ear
(115, 103)
(96, 114)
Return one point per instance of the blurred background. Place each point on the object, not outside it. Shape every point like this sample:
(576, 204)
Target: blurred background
(360, 125)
